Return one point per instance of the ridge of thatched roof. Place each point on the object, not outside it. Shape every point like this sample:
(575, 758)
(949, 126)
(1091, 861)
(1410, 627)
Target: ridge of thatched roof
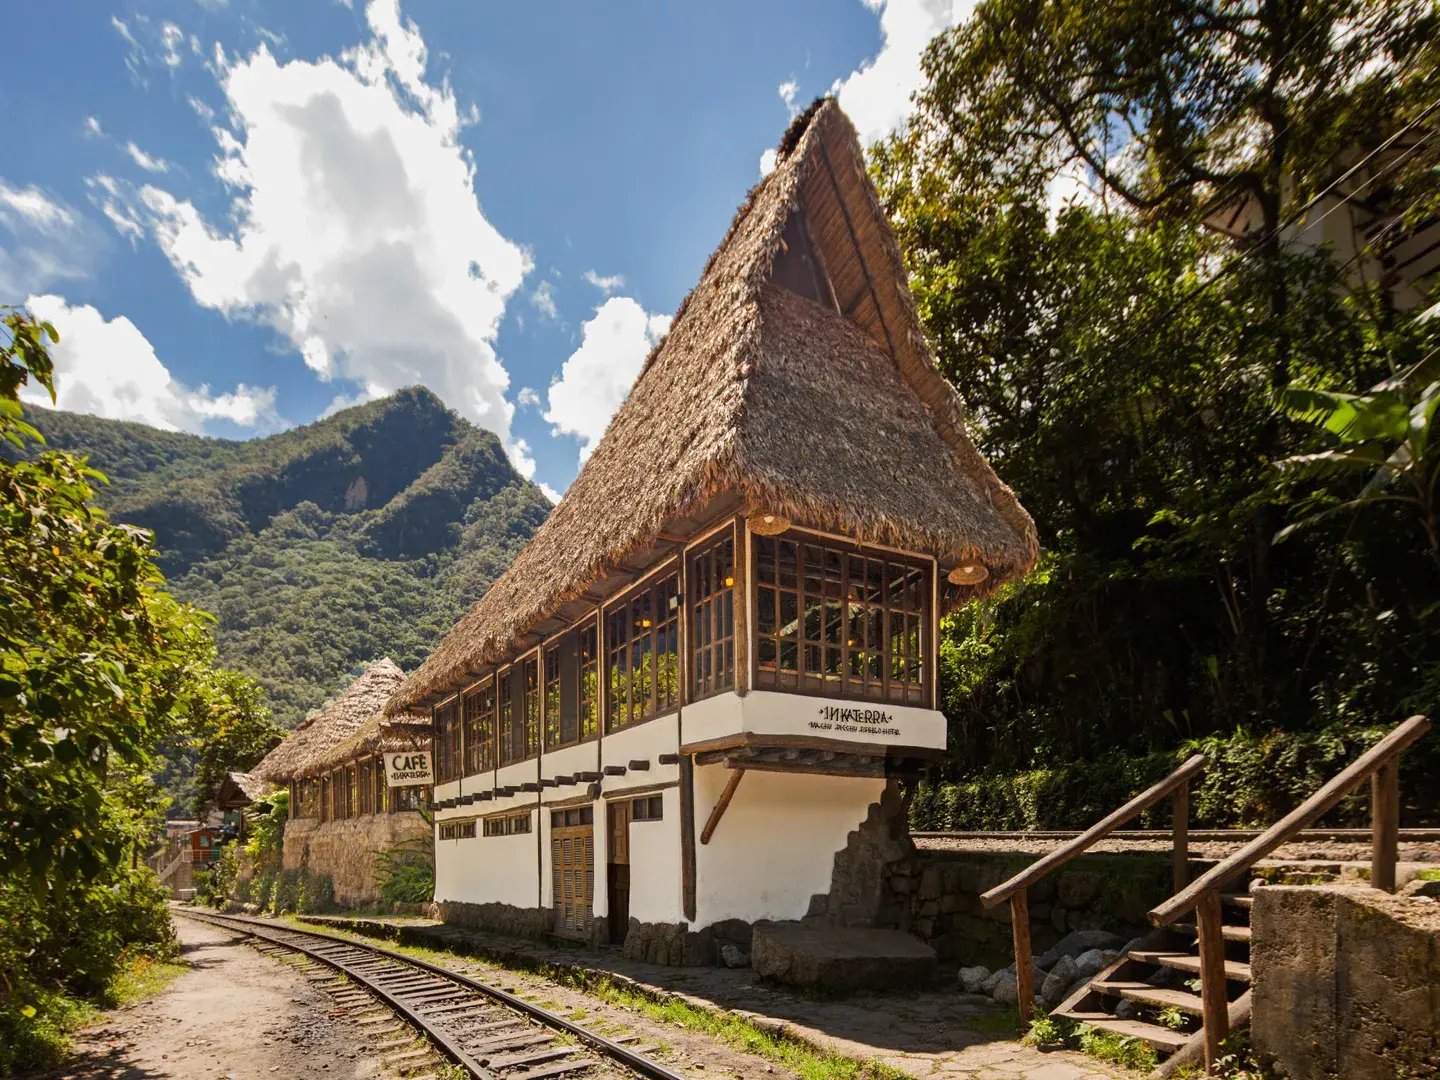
(793, 406)
(333, 723)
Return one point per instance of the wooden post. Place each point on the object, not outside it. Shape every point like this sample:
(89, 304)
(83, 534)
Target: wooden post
(1214, 999)
(721, 805)
(1179, 826)
(1024, 961)
(687, 834)
(1384, 824)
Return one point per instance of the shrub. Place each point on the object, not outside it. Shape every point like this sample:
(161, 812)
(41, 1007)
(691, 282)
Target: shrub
(406, 873)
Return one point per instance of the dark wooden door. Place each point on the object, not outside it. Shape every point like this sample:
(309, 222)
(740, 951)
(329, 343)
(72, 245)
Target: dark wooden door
(572, 870)
(618, 870)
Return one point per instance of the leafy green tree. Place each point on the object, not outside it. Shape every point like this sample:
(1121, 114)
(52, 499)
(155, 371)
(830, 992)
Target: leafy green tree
(234, 732)
(1123, 364)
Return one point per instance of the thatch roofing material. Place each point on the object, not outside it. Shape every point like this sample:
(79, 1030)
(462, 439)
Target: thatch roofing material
(332, 724)
(841, 425)
(377, 736)
(240, 787)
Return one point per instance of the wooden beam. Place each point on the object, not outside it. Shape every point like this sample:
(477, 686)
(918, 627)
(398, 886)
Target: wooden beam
(1179, 843)
(1384, 824)
(721, 805)
(1215, 1001)
(687, 836)
(1024, 958)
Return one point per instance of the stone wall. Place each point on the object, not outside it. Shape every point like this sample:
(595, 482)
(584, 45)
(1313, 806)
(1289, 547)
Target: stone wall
(1346, 983)
(345, 851)
(936, 897)
(859, 895)
(535, 922)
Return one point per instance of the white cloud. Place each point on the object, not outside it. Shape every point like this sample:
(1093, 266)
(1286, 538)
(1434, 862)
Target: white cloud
(358, 235)
(598, 375)
(202, 110)
(112, 197)
(92, 126)
(527, 398)
(544, 299)
(788, 90)
(107, 367)
(43, 240)
(550, 492)
(172, 42)
(145, 161)
(767, 161)
(606, 283)
(877, 94)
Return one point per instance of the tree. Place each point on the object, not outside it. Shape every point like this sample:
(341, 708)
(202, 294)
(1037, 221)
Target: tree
(1129, 391)
(235, 734)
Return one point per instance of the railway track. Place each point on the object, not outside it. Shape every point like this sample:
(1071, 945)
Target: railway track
(487, 1031)
(1358, 836)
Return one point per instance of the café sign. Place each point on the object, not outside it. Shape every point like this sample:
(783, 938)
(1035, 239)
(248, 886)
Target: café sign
(409, 768)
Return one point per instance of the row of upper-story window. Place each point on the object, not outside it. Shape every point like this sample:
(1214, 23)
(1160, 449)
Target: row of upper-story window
(830, 619)
(353, 790)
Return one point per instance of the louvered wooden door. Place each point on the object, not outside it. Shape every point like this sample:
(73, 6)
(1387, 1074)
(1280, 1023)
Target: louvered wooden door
(572, 863)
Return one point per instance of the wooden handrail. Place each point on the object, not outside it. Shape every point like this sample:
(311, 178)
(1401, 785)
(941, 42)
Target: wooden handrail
(1362, 768)
(1180, 778)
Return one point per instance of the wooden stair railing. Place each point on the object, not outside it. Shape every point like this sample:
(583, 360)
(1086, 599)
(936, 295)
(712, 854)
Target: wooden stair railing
(1381, 766)
(1177, 784)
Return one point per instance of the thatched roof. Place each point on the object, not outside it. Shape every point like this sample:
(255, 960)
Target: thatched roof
(333, 723)
(838, 422)
(241, 789)
(378, 735)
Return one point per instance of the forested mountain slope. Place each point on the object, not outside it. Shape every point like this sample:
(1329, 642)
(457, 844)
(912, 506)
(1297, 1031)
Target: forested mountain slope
(362, 535)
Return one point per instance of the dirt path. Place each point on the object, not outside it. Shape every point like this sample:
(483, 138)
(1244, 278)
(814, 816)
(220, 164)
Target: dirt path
(234, 1014)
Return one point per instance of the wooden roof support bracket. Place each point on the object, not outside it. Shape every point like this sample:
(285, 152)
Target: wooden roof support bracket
(721, 805)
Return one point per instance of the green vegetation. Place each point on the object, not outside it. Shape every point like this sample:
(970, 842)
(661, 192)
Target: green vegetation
(405, 874)
(99, 668)
(362, 535)
(1223, 442)
(1116, 1049)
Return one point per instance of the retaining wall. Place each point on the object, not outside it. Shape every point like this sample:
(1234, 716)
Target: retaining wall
(346, 851)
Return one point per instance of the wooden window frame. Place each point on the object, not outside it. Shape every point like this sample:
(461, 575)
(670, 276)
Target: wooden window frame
(643, 625)
(402, 798)
(448, 745)
(641, 807)
(478, 718)
(509, 823)
(457, 830)
(768, 599)
(711, 615)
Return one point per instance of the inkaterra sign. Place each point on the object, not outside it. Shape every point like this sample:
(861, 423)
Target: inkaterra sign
(409, 768)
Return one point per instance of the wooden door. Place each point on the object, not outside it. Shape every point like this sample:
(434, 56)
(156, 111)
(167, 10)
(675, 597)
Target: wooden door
(618, 870)
(572, 866)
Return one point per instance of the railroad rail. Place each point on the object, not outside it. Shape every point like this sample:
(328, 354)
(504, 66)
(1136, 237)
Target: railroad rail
(488, 1031)
(1357, 836)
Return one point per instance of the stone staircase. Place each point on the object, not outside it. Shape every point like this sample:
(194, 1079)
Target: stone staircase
(1152, 992)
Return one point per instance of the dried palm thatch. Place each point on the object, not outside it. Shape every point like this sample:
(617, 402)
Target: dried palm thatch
(240, 789)
(832, 414)
(335, 722)
(378, 735)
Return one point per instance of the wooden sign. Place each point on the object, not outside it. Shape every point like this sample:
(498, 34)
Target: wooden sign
(409, 768)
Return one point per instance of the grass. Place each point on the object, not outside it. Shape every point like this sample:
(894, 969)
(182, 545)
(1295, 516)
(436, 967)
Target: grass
(1431, 873)
(143, 977)
(1116, 1049)
(805, 1060)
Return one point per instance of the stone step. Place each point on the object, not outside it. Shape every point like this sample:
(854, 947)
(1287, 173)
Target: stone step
(1159, 1038)
(1234, 969)
(1240, 900)
(1159, 996)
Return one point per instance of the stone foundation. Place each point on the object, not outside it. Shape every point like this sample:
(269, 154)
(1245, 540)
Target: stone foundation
(345, 851)
(935, 896)
(679, 946)
(499, 918)
(1345, 983)
(859, 895)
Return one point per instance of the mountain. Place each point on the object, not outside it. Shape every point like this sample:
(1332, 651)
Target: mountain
(362, 535)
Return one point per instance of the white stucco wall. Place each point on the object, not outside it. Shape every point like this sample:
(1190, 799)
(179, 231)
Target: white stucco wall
(489, 869)
(656, 892)
(775, 847)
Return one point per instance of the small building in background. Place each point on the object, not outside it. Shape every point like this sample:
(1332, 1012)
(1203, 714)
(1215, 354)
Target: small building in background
(671, 717)
(343, 810)
(236, 794)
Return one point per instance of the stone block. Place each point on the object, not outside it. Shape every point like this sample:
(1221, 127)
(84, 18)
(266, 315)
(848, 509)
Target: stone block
(831, 958)
(972, 978)
(1052, 990)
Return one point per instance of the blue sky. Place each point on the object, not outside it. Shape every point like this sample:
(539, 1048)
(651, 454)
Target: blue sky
(242, 215)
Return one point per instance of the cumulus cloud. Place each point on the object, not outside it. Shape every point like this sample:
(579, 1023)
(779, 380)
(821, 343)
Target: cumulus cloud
(145, 161)
(767, 161)
(788, 91)
(877, 94)
(107, 367)
(597, 375)
(606, 283)
(357, 232)
(43, 240)
(527, 398)
(550, 492)
(544, 299)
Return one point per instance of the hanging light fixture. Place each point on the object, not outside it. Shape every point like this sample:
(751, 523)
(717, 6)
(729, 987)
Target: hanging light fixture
(968, 573)
(767, 524)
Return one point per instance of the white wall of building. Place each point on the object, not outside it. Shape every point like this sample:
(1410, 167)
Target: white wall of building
(643, 742)
(488, 870)
(775, 847)
(656, 888)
